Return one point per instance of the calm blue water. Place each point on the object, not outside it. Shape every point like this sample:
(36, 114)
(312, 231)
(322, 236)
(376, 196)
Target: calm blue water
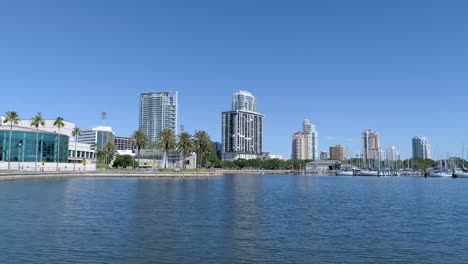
(235, 219)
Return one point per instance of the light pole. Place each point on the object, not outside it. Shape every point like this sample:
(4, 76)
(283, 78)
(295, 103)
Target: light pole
(20, 145)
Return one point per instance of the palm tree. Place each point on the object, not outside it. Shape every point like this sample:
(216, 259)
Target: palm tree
(36, 122)
(76, 132)
(184, 146)
(167, 142)
(13, 118)
(139, 140)
(109, 150)
(59, 124)
(203, 147)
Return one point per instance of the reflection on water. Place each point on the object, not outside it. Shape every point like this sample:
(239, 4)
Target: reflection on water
(235, 219)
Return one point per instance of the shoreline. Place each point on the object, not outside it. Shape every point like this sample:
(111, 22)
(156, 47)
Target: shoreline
(146, 175)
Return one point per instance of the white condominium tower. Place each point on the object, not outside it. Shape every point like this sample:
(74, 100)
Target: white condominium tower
(242, 129)
(370, 147)
(313, 145)
(243, 101)
(421, 148)
(158, 111)
(305, 142)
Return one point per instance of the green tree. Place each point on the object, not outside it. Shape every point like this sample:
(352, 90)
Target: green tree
(109, 152)
(36, 122)
(101, 156)
(59, 124)
(124, 161)
(139, 140)
(203, 146)
(184, 146)
(76, 132)
(13, 118)
(167, 142)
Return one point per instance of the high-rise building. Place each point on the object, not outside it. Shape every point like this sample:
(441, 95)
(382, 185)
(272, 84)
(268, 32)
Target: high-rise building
(370, 147)
(313, 141)
(97, 137)
(392, 154)
(338, 152)
(421, 148)
(242, 129)
(305, 143)
(301, 146)
(122, 143)
(158, 111)
(218, 148)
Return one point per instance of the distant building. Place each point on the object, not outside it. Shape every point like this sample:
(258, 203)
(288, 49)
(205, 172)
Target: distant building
(392, 154)
(370, 147)
(304, 143)
(313, 141)
(242, 129)
(301, 144)
(338, 152)
(218, 147)
(122, 143)
(97, 137)
(158, 111)
(421, 148)
(324, 155)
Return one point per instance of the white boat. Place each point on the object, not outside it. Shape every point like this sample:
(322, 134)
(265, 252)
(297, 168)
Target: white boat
(441, 173)
(344, 173)
(461, 173)
(369, 173)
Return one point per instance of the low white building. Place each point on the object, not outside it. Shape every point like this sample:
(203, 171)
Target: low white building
(322, 166)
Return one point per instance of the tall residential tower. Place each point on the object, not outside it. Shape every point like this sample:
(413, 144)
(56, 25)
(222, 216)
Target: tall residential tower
(370, 147)
(421, 148)
(305, 142)
(158, 111)
(242, 129)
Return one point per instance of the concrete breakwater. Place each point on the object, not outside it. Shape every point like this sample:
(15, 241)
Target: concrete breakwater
(36, 176)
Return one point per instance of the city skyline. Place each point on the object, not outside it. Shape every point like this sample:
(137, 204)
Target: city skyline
(398, 68)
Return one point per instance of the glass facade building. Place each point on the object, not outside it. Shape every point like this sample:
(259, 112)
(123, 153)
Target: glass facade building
(158, 111)
(23, 146)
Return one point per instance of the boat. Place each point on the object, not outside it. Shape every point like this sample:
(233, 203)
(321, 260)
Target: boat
(441, 173)
(344, 172)
(369, 173)
(461, 173)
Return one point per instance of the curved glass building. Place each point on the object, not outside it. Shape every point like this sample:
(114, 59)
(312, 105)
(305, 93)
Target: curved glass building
(23, 146)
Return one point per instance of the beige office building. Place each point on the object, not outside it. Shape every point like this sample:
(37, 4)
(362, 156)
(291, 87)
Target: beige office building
(338, 152)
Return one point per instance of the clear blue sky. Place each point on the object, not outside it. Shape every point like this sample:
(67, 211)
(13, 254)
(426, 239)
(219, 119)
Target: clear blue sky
(398, 67)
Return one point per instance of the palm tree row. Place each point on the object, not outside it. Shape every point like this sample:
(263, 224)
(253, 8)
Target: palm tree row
(200, 143)
(13, 118)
